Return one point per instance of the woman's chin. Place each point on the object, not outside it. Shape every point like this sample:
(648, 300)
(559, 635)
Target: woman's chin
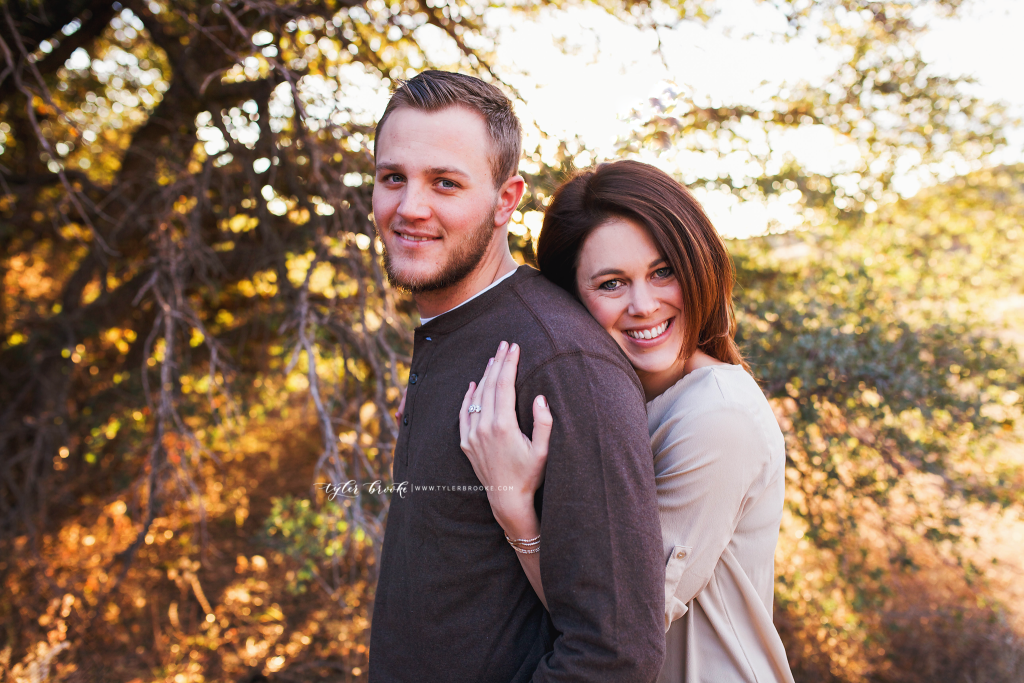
(656, 362)
(659, 360)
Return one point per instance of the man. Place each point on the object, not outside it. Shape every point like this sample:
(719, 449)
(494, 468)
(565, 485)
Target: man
(453, 603)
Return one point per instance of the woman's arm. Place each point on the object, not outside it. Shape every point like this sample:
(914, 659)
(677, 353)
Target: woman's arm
(524, 525)
(506, 462)
(707, 463)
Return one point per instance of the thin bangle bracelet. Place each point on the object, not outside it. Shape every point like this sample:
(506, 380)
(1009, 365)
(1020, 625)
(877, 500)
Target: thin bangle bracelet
(523, 541)
(526, 552)
(524, 546)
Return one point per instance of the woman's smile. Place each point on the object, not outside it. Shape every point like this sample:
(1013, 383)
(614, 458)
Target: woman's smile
(650, 336)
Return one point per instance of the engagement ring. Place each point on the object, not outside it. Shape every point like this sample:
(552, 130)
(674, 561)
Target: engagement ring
(475, 409)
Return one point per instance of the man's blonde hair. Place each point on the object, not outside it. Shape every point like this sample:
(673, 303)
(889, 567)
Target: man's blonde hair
(436, 90)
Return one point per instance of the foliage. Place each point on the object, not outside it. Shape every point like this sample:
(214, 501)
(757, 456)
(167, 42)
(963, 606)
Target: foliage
(306, 533)
(899, 363)
(155, 626)
(195, 328)
(199, 215)
(897, 397)
(885, 110)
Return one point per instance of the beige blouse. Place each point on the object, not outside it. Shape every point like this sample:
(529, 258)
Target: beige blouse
(719, 462)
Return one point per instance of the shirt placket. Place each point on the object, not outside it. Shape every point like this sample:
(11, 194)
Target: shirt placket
(424, 349)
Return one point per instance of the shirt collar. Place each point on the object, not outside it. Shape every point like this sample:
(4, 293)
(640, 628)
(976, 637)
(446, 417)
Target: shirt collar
(424, 321)
(472, 308)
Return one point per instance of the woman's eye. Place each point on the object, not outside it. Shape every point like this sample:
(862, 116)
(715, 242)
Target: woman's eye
(609, 285)
(663, 272)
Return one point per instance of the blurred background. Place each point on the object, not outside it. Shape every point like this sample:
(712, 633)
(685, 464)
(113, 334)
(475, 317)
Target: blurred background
(195, 330)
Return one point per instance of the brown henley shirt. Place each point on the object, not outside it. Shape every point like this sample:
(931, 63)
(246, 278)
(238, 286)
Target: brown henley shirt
(452, 602)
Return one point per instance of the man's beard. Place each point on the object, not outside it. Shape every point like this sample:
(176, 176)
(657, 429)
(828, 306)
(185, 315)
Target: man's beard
(462, 260)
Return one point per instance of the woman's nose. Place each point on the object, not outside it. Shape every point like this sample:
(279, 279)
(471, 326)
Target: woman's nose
(643, 303)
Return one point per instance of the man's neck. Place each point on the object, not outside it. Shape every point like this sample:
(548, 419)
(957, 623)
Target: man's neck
(432, 304)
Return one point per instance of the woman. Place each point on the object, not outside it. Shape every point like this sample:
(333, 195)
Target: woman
(638, 251)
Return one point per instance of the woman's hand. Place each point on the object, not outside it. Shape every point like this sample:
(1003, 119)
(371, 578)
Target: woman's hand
(401, 406)
(509, 464)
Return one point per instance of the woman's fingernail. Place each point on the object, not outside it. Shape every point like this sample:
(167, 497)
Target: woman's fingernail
(490, 362)
(542, 401)
(515, 348)
(502, 346)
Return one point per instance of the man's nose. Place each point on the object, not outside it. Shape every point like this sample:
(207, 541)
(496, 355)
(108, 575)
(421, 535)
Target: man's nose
(414, 205)
(643, 302)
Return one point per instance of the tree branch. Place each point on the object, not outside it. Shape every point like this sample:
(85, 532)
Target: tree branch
(96, 20)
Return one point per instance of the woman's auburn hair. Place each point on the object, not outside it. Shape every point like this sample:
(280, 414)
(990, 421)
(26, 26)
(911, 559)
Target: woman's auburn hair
(675, 220)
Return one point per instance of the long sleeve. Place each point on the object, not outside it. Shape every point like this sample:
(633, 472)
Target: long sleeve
(601, 559)
(452, 601)
(711, 459)
(719, 462)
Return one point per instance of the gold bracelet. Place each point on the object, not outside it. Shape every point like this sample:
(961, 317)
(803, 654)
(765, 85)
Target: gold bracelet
(524, 546)
(528, 542)
(522, 551)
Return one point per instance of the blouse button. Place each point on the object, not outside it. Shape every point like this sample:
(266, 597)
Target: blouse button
(413, 378)
(681, 554)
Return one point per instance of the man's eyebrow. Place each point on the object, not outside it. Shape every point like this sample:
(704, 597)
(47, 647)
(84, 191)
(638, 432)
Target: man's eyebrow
(446, 170)
(433, 170)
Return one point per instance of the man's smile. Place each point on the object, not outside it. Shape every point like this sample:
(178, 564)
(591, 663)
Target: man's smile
(414, 236)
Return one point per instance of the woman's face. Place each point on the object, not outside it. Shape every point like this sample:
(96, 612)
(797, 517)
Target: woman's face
(629, 288)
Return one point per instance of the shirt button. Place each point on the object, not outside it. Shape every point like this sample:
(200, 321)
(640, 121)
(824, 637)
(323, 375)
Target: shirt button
(413, 377)
(405, 419)
(681, 554)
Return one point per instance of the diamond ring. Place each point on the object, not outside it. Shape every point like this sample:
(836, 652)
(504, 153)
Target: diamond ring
(475, 409)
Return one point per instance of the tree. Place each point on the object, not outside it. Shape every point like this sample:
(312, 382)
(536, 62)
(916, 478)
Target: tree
(187, 204)
(901, 401)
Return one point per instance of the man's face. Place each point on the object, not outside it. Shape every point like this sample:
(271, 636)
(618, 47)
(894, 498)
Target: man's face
(434, 197)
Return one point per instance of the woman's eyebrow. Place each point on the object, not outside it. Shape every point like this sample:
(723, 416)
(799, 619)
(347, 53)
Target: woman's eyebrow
(606, 271)
(616, 271)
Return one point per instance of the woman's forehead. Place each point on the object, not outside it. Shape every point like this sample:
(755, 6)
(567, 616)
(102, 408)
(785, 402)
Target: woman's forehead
(620, 243)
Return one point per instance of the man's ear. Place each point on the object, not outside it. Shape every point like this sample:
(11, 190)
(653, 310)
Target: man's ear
(509, 195)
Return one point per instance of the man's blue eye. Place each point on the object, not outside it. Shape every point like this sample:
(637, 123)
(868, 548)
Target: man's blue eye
(447, 184)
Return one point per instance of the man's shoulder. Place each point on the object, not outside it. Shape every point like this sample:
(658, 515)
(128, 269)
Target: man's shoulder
(556, 328)
(560, 317)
